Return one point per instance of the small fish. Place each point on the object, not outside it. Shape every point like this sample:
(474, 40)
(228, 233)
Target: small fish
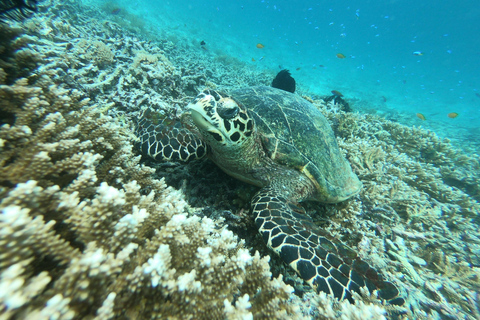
(421, 116)
(417, 53)
(477, 94)
(298, 68)
(337, 93)
(452, 115)
(260, 46)
(321, 66)
(253, 59)
(384, 99)
(261, 58)
(116, 11)
(202, 43)
(341, 56)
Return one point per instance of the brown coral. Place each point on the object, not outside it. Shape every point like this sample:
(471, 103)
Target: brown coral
(86, 232)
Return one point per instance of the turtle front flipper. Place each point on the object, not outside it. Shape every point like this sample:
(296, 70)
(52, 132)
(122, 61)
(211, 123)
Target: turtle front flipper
(320, 259)
(167, 140)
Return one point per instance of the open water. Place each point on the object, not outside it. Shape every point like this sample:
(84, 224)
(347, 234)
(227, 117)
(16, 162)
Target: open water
(400, 56)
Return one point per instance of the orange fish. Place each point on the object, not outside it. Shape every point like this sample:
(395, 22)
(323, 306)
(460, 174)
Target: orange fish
(452, 115)
(260, 46)
(421, 116)
(337, 93)
(253, 59)
(341, 56)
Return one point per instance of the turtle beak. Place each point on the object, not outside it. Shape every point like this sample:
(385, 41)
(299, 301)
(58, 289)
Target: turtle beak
(199, 120)
(202, 111)
(204, 116)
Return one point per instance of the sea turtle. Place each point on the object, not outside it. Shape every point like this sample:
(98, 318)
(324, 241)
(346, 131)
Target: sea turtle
(281, 143)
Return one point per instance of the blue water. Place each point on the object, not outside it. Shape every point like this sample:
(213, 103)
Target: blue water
(378, 39)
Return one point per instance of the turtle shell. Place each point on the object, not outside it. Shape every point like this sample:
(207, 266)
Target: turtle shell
(294, 133)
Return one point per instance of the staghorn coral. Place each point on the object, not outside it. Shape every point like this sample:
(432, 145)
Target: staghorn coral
(331, 309)
(99, 52)
(87, 233)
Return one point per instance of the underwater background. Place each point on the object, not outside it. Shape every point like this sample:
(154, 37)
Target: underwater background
(92, 229)
(404, 57)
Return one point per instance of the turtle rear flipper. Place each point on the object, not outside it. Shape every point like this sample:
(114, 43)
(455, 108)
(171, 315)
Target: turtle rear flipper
(167, 140)
(321, 260)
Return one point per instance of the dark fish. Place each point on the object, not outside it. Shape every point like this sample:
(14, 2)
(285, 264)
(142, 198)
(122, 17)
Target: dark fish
(17, 9)
(337, 93)
(477, 94)
(202, 43)
(284, 81)
(116, 11)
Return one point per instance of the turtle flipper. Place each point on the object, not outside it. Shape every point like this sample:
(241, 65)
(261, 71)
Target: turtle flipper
(320, 259)
(167, 140)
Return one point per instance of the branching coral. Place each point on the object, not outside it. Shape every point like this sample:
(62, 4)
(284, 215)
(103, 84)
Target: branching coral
(86, 232)
(420, 206)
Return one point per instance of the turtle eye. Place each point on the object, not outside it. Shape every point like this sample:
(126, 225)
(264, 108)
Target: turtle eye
(228, 113)
(227, 108)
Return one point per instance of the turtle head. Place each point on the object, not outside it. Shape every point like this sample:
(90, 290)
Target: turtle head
(221, 120)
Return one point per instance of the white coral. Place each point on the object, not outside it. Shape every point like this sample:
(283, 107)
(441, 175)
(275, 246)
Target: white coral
(187, 282)
(111, 195)
(241, 309)
(158, 266)
(16, 292)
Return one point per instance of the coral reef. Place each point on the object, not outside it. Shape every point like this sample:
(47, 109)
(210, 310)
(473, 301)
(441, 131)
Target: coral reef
(86, 232)
(417, 207)
(89, 231)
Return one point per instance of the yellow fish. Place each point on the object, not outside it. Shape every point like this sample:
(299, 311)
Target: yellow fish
(421, 116)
